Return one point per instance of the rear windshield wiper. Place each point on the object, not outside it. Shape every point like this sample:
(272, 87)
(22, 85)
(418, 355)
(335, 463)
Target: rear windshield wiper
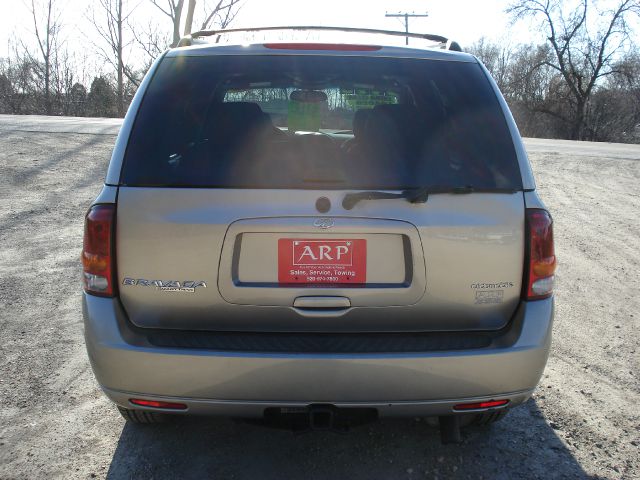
(416, 195)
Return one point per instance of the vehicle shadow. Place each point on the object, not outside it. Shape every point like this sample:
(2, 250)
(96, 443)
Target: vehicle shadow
(523, 445)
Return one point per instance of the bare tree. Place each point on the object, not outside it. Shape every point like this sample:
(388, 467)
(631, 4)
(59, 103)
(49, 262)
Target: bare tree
(221, 15)
(18, 83)
(581, 57)
(188, 22)
(173, 10)
(536, 85)
(497, 58)
(46, 31)
(152, 41)
(617, 106)
(109, 22)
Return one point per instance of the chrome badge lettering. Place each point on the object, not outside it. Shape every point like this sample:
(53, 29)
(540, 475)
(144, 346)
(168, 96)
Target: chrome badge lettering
(188, 286)
(324, 223)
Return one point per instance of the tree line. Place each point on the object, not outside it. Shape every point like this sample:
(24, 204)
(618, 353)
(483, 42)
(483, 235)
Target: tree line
(580, 80)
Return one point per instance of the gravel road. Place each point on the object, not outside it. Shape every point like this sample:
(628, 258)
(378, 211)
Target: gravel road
(583, 421)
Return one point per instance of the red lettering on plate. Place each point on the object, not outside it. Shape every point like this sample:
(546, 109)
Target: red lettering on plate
(322, 261)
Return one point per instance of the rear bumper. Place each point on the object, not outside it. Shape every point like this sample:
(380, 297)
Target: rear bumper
(249, 409)
(245, 383)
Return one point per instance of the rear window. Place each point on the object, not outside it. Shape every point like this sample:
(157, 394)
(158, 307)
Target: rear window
(309, 122)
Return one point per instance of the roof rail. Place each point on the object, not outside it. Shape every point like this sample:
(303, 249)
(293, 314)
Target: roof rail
(442, 42)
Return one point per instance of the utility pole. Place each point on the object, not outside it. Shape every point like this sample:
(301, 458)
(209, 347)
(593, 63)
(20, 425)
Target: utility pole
(406, 16)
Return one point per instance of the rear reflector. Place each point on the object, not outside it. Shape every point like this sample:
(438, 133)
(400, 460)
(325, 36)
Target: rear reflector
(157, 404)
(97, 251)
(342, 47)
(480, 405)
(540, 255)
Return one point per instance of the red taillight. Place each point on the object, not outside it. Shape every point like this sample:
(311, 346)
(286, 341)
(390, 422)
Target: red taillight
(540, 255)
(342, 47)
(480, 405)
(97, 251)
(157, 404)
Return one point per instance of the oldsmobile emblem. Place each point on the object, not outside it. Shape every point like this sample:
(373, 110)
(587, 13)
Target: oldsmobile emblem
(188, 286)
(324, 223)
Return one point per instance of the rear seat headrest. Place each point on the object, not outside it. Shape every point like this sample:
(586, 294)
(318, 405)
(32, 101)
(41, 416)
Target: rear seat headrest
(359, 122)
(248, 111)
(395, 128)
(230, 119)
(382, 132)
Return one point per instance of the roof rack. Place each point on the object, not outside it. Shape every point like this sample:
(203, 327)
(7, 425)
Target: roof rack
(442, 42)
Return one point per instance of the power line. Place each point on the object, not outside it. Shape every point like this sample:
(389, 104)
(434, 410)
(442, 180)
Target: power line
(406, 16)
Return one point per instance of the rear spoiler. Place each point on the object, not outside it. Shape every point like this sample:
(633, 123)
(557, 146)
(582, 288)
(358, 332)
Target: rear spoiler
(440, 41)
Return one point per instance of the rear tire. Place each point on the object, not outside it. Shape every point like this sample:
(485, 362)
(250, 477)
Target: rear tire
(488, 418)
(141, 416)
